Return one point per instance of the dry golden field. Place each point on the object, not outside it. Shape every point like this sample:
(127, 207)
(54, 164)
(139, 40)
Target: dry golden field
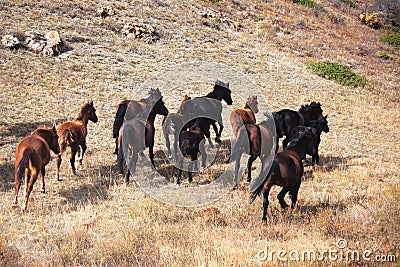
(93, 219)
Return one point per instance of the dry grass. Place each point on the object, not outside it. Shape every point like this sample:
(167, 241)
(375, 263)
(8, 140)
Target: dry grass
(93, 219)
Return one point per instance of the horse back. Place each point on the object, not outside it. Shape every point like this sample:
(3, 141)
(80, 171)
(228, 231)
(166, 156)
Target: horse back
(35, 148)
(204, 107)
(291, 167)
(254, 134)
(76, 128)
(246, 114)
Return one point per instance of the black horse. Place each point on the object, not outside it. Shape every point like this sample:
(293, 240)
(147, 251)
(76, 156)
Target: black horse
(209, 107)
(286, 171)
(138, 134)
(129, 109)
(190, 144)
(319, 125)
(287, 119)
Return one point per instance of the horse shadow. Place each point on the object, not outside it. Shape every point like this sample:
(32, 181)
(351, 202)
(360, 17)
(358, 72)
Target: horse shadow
(6, 175)
(93, 192)
(20, 130)
(332, 163)
(166, 167)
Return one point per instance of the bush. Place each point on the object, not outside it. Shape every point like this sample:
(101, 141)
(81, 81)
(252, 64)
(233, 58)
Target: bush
(339, 73)
(385, 55)
(306, 3)
(391, 38)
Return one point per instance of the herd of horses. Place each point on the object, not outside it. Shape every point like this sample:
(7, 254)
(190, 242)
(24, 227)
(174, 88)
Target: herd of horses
(134, 132)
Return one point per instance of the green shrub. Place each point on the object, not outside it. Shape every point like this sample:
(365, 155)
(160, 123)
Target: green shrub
(391, 38)
(306, 3)
(384, 55)
(217, 2)
(339, 73)
(349, 3)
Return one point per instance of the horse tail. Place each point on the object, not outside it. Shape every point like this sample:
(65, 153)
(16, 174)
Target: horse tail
(65, 140)
(168, 124)
(119, 119)
(24, 163)
(242, 144)
(185, 146)
(259, 189)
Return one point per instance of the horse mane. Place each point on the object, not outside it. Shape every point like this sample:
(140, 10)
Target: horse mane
(84, 108)
(308, 108)
(296, 140)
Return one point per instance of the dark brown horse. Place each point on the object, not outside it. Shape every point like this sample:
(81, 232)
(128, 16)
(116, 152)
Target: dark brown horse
(209, 107)
(319, 125)
(31, 157)
(138, 134)
(190, 144)
(172, 124)
(73, 134)
(129, 109)
(246, 115)
(254, 140)
(288, 119)
(286, 171)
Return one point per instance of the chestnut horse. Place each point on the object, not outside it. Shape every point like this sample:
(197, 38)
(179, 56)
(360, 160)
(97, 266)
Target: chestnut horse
(173, 124)
(288, 119)
(286, 171)
(138, 134)
(246, 114)
(255, 140)
(73, 134)
(128, 109)
(32, 155)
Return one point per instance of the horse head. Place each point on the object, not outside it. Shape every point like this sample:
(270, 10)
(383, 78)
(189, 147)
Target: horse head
(252, 103)
(222, 92)
(51, 137)
(90, 110)
(160, 108)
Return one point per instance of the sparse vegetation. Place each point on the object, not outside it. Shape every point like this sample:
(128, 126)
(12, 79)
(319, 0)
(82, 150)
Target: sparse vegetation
(391, 38)
(339, 73)
(306, 3)
(385, 55)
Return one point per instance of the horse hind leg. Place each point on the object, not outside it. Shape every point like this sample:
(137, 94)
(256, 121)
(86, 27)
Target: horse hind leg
(29, 186)
(43, 173)
(58, 166)
(265, 203)
(281, 198)
(249, 164)
(294, 193)
(82, 150)
(72, 159)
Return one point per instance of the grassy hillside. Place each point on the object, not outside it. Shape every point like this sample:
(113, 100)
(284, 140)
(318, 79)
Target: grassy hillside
(93, 219)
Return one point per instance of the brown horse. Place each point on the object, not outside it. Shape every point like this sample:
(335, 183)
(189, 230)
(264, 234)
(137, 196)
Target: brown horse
(286, 171)
(244, 115)
(173, 124)
(73, 134)
(254, 140)
(129, 109)
(137, 134)
(32, 156)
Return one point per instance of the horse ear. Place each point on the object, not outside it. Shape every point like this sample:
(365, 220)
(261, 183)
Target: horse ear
(54, 128)
(326, 116)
